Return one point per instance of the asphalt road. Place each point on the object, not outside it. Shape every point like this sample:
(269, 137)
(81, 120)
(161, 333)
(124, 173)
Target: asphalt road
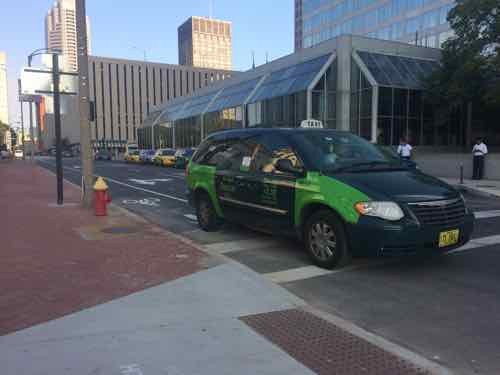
(446, 308)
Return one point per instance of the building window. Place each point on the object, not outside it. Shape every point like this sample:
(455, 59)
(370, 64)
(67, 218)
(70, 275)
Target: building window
(147, 92)
(133, 102)
(174, 82)
(118, 102)
(95, 104)
(154, 86)
(140, 95)
(111, 120)
(125, 85)
(161, 85)
(103, 104)
(168, 84)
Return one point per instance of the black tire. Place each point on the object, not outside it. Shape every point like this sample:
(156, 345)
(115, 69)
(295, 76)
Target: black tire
(206, 214)
(325, 240)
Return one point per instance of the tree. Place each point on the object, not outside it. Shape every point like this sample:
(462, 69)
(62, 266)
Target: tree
(470, 67)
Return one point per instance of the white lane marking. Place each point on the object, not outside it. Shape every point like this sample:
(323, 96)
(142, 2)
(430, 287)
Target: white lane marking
(241, 245)
(131, 370)
(191, 217)
(151, 182)
(486, 214)
(151, 202)
(477, 243)
(134, 187)
(294, 274)
(146, 190)
(308, 272)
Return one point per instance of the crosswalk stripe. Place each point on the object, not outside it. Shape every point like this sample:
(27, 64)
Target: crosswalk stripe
(487, 214)
(242, 245)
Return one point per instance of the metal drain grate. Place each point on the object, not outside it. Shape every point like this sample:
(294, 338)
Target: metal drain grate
(119, 230)
(326, 348)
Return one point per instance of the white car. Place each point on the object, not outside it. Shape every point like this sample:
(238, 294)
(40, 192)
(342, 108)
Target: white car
(18, 154)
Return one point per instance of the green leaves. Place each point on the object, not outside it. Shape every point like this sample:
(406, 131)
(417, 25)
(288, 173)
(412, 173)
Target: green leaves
(471, 60)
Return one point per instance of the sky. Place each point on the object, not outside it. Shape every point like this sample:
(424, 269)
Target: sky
(117, 26)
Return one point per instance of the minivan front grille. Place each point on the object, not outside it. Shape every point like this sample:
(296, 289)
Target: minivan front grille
(447, 213)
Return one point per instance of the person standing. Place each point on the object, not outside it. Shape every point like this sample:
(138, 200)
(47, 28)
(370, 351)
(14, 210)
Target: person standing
(479, 151)
(404, 149)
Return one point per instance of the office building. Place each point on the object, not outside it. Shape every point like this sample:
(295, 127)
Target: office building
(205, 43)
(123, 93)
(4, 106)
(421, 22)
(60, 32)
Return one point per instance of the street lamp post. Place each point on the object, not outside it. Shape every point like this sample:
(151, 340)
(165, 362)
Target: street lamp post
(22, 115)
(57, 115)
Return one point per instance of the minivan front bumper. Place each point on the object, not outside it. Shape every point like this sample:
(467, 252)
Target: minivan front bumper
(374, 236)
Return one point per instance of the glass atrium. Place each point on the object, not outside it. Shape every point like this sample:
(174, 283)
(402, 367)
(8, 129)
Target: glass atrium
(376, 95)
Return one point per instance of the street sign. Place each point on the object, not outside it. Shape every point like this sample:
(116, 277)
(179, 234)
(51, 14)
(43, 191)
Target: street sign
(30, 98)
(39, 81)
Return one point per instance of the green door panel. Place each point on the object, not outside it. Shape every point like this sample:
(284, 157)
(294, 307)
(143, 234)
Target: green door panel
(203, 177)
(319, 189)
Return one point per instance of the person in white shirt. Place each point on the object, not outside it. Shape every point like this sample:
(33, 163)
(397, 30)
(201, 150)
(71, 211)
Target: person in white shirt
(479, 151)
(404, 149)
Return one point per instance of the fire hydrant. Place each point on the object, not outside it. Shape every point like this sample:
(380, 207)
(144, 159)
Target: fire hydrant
(101, 197)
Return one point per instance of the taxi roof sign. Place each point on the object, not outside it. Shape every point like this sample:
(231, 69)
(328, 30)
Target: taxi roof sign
(311, 124)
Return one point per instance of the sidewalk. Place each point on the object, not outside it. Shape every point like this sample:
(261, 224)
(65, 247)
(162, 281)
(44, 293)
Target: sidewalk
(485, 187)
(118, 295)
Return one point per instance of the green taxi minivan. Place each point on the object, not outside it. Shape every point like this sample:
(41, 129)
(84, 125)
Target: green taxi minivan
(336, 191)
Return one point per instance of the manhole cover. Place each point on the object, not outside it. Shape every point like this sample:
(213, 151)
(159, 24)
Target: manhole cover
(120, 230)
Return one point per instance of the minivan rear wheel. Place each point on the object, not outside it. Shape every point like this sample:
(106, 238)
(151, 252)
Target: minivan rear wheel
(206, 214)
(325, 240)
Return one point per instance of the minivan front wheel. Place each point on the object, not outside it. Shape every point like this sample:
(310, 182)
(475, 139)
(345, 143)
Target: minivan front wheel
(325, 240)
(206, 214)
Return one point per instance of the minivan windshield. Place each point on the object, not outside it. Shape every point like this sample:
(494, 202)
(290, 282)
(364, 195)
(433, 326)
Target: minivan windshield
(332, 151)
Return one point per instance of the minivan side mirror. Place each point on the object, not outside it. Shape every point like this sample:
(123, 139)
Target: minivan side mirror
(286, 166)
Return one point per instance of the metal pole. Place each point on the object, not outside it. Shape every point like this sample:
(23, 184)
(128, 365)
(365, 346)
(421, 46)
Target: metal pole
(31, 131)
(22, 115)
(57, 125)
(84, 105)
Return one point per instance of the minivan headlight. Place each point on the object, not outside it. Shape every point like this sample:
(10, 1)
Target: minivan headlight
(384, 210)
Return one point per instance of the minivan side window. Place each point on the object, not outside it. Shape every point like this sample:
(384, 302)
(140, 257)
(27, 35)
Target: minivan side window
(269, 150)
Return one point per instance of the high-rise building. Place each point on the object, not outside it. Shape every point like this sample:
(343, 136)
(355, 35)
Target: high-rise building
(60, 32)
(205, 43)
(4, 107)
(421, 22)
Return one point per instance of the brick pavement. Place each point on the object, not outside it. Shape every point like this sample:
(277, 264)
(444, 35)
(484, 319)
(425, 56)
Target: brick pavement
(58, 260)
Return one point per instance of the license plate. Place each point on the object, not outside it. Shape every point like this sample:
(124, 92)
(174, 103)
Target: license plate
(449, 238)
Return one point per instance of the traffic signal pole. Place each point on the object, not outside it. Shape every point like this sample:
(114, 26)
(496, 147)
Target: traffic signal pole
(84, 106)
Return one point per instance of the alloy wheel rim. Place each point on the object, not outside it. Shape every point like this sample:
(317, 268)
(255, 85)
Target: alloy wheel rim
(323, 242)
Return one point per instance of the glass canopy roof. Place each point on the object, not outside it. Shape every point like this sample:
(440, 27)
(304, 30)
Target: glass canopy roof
(290, 80)
(398, 71)
(233, 96)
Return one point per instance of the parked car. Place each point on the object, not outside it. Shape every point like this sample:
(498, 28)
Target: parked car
(103, 155)
(146, 156)
(68, 153)
(18, 153)
(334, 190)
(182, 159)
(132, 157)
(5, 154)
(161, 154)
